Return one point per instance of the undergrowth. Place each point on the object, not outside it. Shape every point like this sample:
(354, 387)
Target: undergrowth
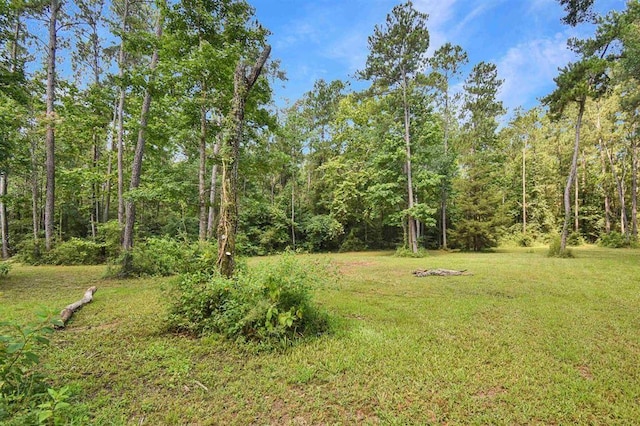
(271, 304)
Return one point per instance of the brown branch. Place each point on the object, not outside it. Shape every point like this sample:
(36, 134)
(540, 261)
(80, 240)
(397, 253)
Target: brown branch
(67, 312)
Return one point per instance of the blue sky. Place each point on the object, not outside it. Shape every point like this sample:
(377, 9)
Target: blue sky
(328, 39)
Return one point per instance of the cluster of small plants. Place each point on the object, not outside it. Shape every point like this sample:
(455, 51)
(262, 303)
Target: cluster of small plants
(615, 240)
(4, 269)
(555, 248)
(25, 396)
(164, 257)
(403, 251)
(271, 304)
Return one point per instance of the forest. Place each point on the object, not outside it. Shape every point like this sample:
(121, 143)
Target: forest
(117, 119)
(145, 135)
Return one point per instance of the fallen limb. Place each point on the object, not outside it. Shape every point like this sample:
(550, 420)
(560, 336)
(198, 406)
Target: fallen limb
(67, 312)
(438, 272)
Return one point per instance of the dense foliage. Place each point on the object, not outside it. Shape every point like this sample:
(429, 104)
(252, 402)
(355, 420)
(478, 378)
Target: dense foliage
(270, 304)
(420, 156)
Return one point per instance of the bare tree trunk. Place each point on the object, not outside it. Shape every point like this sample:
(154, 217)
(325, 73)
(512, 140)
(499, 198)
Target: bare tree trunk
(413, 240)
(524, 189)
(621, 194)
(212, 190)
(121, 100)
(228, 224)
(576, 206)
(35, 192)
(136, 169)
(49, 209)
(571, 178)
(107, 184)
(634, 189)
(4, 229)
(202, 169)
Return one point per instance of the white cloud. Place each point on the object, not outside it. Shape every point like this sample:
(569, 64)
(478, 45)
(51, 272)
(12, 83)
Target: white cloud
(528, 69)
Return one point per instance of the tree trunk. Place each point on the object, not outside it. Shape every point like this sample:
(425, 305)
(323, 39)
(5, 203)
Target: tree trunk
(524, 189)
(202, 169)
(212, 190)
(35, 192)
(571, 178)
(68, 311)
(227, 226)
(4, 229)
(634, 189)
(621, 194)
(49, 209)
(120, 112)
(413, 240)
(136, 169)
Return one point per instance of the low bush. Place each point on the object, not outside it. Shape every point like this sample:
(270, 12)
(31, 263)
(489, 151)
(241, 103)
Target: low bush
(25, 397)
(4, 269)
(271, 304)
(352, 243)
(555, 248)
(403, 251)
(614, 240)
(76, 251)
(164, 257)
(29, 251)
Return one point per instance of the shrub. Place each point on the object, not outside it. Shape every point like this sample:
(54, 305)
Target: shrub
(575, 239)
(109, 235)
(76, 251)
(29, 251)
(4, 269)
(613, 240)
(164, 257)
(25, 397)
(270, 305)
(352, 243)
(555, 249)
(403, 251)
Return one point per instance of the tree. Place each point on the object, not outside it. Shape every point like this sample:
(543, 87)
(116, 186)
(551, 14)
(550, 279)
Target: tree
(479, 188)
(397, 53)
(577, 11)
(576, 83)
(244, 80)
(49, 209)
(136, 169)
(446, 65)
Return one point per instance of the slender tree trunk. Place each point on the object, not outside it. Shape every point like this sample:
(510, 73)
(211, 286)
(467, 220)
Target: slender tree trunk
(107, 184)
(202, 169)
(228, 224)
(4, 174)
(35, 193)
(121, 101)
(49, 209)
(445, 194)
(413, 240)
(524, 189)
(4, 229)
(136, 169)
(571, 178)
(603, 163)
(621, 194)
(576, 206)
(634, 189)
(212, 189)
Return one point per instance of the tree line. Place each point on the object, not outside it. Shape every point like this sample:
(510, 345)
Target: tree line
(157, 119)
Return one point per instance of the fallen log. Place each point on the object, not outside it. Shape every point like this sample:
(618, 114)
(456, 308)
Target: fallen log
(67, 312)
(438, 272)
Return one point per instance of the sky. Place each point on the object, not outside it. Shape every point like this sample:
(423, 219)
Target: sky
(327, 39)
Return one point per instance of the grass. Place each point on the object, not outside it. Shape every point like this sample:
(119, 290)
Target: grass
(526, 339)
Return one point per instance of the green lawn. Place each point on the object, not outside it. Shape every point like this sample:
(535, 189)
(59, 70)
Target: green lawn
(525, 340)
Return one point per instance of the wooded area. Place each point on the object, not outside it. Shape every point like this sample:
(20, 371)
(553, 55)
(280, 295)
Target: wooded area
(124, 118)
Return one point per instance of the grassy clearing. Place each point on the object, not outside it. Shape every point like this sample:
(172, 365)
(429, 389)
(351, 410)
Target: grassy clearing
(525, 340)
